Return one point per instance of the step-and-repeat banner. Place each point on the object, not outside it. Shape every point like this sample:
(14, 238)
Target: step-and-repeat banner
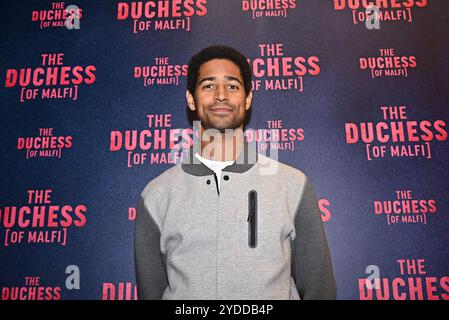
(93, 100)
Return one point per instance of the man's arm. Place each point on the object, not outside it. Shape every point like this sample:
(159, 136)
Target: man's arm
(151, 275)
(311, 260)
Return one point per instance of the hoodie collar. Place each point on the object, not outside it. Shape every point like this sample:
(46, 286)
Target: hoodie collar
(245, 160)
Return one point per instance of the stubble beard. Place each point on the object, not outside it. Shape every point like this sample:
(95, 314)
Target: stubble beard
(233, 124)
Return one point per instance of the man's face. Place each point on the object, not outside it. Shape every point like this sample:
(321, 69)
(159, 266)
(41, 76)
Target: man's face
(220, 99)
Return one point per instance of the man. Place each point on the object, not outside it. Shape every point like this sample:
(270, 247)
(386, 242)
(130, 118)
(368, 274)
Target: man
(217, 227)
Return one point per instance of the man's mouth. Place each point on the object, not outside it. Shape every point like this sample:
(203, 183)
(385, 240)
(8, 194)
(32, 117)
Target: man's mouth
(221, 109)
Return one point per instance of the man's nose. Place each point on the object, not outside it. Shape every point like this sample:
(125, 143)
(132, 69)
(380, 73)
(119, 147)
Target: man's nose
(221, 93)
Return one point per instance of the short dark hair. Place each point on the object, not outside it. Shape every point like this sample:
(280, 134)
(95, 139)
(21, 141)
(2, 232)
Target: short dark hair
(218, 52)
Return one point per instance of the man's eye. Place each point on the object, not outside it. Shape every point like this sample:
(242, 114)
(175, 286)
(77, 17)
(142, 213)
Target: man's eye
(233, 87)
(208, 86)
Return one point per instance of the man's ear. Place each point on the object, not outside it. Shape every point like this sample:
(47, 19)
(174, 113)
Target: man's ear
(190, 100)
(249, 100)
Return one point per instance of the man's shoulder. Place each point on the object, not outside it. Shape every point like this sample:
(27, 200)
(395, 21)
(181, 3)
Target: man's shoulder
(163, 181)
(282, 170)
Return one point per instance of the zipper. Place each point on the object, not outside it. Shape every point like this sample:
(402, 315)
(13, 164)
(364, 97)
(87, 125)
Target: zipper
(252, 219)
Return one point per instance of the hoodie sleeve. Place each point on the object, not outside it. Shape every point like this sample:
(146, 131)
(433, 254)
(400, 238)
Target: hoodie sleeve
(311, 260)
(151, 275)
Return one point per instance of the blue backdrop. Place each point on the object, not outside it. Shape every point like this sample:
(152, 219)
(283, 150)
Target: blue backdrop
(96, 65)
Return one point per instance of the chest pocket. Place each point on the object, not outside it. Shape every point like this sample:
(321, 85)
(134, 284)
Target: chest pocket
(252, 219)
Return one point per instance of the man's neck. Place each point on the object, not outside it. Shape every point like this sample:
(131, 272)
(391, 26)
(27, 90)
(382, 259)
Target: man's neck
(222, 146)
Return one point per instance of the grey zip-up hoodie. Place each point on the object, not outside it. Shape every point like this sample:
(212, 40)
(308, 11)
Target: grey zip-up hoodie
(258, 237)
